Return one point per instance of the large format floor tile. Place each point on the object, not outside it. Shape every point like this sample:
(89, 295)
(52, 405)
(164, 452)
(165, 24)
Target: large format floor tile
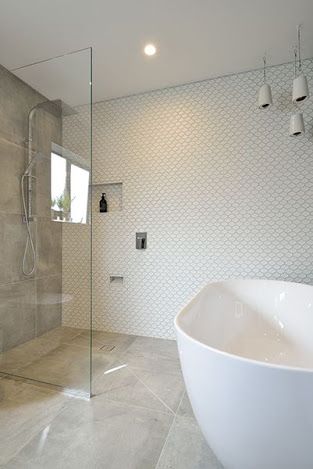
(62, 335)
(185, 447)
(146, 373)
(168, 387)
(157, 355)
(97, 434)
(108, 342)
(67, 366)
(29, 352)
(159, 391)
(61, 357)
(25, 410)
(139, 418)
(162, 347)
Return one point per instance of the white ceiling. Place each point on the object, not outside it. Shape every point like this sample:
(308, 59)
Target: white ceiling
(196, 39)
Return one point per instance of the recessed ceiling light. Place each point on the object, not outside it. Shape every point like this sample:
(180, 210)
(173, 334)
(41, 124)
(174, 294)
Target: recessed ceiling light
(150, 49)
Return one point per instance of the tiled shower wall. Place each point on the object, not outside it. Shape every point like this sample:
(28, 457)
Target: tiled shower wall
(219, 186)
(27, 308)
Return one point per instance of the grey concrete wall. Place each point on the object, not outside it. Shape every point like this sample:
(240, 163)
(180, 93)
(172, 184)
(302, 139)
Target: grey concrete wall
(28, 305)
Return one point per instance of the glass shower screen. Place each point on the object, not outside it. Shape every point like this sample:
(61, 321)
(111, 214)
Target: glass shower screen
(45, 314)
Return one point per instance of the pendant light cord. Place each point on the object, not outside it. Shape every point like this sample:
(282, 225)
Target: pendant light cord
(295, 61)
(299, 49)
(264, 68)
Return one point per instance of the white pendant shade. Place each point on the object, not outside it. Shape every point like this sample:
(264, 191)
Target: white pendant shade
(265, 96)
(296, 124)
(300, 89)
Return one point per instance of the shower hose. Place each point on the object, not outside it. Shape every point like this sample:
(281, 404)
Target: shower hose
(29, 240)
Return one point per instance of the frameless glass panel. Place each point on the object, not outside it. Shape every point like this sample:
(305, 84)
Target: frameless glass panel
(45, 311)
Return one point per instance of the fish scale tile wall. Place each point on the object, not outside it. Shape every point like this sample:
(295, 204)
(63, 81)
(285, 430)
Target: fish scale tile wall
(219, 186)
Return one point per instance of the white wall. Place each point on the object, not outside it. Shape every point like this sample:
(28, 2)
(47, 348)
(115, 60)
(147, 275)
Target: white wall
(218, 184)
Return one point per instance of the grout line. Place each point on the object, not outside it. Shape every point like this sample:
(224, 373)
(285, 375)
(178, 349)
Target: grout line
(165, 442)
(169, 431)
(41, 277)
(147, 387)
(181, 400)
(9, 139)
(131, 404)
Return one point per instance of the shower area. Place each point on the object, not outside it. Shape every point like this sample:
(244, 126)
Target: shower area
(45, 194)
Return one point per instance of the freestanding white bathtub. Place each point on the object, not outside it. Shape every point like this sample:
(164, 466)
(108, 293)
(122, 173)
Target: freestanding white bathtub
(246, 349)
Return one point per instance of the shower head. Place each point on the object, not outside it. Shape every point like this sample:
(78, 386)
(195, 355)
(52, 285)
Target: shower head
(56, 107)
(63, 108)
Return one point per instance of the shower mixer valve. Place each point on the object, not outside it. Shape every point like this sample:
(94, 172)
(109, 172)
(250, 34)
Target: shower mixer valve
(141, 240)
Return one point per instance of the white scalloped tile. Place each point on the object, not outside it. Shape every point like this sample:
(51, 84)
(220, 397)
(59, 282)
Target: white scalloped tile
(218, 184)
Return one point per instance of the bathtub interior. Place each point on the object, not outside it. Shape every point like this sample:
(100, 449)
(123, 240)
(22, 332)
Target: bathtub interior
(264, 320)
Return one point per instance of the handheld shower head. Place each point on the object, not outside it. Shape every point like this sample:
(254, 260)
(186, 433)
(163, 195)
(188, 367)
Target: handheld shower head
(29, 168)
(27, 218)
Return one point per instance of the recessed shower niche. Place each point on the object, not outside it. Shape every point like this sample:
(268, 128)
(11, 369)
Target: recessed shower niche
(113, 194)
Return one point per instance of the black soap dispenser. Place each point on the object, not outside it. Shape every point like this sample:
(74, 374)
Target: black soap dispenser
(103, 205)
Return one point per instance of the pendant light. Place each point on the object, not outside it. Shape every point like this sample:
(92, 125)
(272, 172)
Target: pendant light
(265, 92)
(296, 126)
(300, 89)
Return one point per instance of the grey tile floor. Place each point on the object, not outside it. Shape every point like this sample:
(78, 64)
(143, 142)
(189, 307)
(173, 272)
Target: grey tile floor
(139, 418)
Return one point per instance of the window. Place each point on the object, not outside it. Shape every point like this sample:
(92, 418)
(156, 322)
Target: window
(69, 190)
(58, 178)
(79, 194)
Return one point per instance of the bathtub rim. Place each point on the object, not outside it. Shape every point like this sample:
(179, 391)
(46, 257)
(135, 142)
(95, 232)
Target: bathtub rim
(179, 329)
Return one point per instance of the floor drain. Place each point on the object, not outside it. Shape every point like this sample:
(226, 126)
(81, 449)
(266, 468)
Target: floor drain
(107, 348)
